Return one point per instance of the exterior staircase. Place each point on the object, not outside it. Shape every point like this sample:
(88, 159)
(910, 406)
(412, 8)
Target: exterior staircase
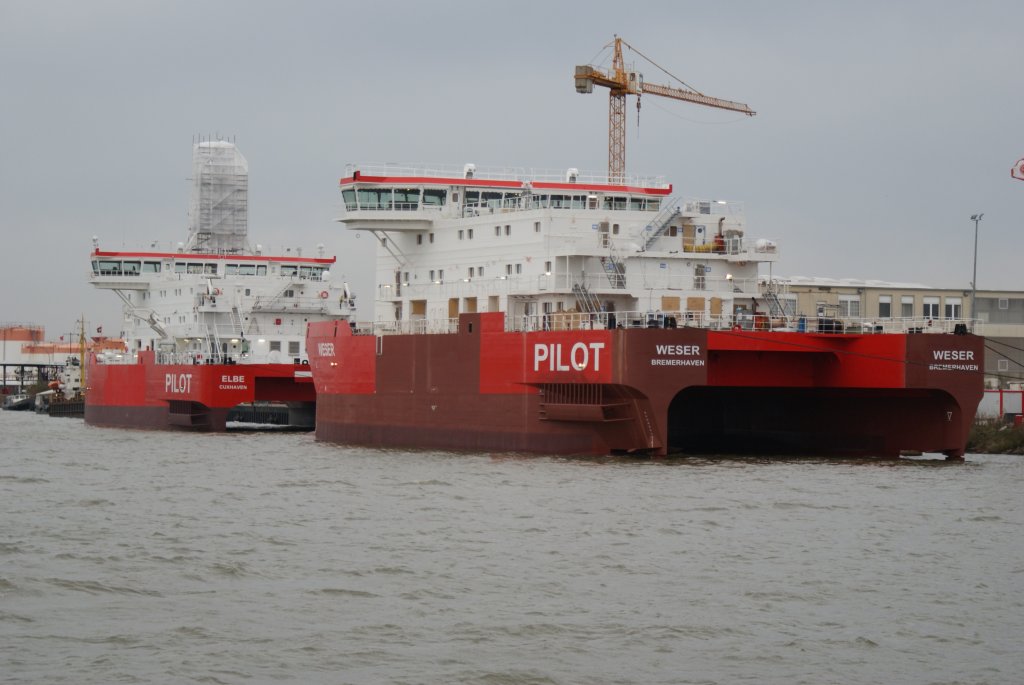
(659, 223)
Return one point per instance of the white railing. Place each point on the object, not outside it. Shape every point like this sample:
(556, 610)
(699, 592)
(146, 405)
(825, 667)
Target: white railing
(568, 320)
(449, 171)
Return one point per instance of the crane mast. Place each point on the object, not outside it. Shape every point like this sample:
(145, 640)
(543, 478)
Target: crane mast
(620, 82)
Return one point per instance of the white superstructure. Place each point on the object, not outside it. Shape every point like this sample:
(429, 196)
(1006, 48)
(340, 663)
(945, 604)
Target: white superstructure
(554, 249)
(216, 298)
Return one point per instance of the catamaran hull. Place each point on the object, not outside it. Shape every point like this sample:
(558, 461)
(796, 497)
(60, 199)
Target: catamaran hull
(655, 391)
(187, 397)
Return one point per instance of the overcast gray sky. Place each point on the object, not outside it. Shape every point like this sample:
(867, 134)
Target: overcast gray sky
(881, 128)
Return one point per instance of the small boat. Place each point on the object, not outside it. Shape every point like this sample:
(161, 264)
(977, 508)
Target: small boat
(18, 402)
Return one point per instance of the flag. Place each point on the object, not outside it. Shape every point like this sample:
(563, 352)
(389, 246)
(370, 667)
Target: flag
(1018, 170)
(99, 329)
(62, 338)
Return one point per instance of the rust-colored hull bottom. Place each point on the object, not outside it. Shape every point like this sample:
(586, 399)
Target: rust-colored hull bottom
(701, 421)
(188, 397)
(203, 419)
(658, 392)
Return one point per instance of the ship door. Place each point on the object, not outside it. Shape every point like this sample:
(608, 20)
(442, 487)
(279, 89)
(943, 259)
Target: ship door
(453, 307)
(602, 229)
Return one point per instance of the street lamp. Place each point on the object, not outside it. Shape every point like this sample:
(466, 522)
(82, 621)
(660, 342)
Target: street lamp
(976, 218)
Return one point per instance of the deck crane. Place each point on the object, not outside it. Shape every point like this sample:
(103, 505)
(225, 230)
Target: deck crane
(621, 83)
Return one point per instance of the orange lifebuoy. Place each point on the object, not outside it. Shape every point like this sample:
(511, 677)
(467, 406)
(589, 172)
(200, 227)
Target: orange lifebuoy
(323, 294)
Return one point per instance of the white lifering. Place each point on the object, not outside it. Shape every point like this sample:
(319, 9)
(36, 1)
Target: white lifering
(323, 294)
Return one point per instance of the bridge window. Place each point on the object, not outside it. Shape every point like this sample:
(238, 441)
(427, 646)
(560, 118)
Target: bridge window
(407, 198)
(374, 198)
(289, 270)
(434, 198)
(151, 267)
(194, 268)
(931, 308)
(349, 196)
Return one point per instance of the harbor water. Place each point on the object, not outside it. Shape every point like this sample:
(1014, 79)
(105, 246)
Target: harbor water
(149, 557)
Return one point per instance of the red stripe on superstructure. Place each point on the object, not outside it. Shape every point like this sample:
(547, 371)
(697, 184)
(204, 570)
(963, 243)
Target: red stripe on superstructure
(485, 183)
(227, 258)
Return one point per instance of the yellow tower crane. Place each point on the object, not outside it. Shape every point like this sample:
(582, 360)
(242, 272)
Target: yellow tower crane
(621, 83)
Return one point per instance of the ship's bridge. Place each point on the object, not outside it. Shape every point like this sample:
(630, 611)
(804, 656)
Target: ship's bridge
(410, 198)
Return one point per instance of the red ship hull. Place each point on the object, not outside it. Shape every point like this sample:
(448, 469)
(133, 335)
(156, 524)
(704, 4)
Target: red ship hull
(186, 397)
(651, 391)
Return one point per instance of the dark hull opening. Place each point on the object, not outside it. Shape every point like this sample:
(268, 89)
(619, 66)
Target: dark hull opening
(814, 422)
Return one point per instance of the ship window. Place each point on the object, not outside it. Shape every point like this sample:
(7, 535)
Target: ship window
(508, 269)
(151, 267)
(579, 201)
(472, 198)
(462, 234)
(289, 270)
(560, 201)
(471, 271)
(305, 272)
(230, 269)
(497, 231)
(288, 293)
(615, 229)
(1004, 303)
(519, 268)
(108, 268)
(547, 267)
(492, 200)
(210, 269)
(131, 268)
(480, 272)
(374, 198)
(349, 196)
(419, 239)
(614, 202)
(195, 268)
(469, 234)
(1002, 364)
(250, 270)
(261, 270)
(931, 308)
(508, 230)
(440, 274)
(275, 345)
(247, 292)
(431, 274)
(536, 227)
(407, 198)
(293, 347)
(436, 198)
(431, 236)
(636, 203)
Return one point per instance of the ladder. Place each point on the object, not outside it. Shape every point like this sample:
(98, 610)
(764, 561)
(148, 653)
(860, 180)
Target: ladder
(776, 309)
(659, 223)
(614, 268)
(585, 300)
